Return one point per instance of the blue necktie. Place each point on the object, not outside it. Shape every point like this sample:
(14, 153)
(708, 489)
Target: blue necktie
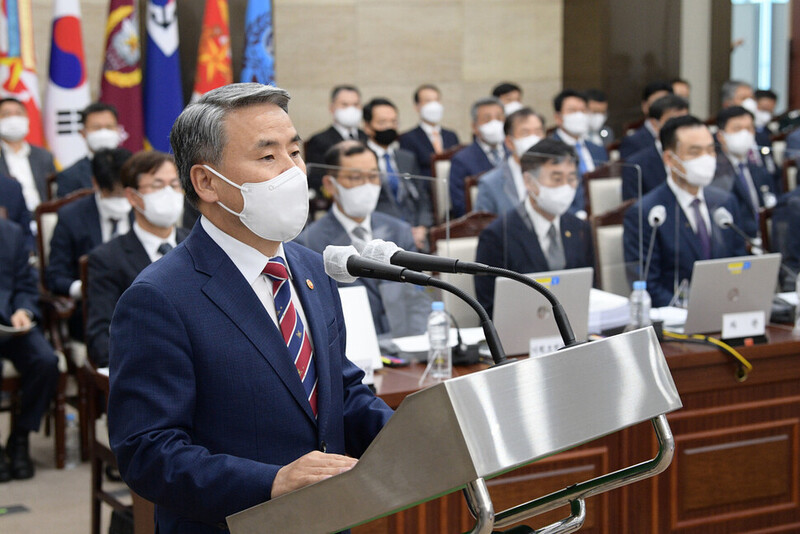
(582, 168)
(702, 230)
(391, 175)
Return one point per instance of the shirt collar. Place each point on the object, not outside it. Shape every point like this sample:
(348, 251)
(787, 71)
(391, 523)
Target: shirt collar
(151, 242)
(567, 138)
(684, 197)
(735, 161)
(428, 129)
(346, 132)
(379, 150)
(650, 128)
(349, 224)
(541, 226)
(25, 151)
(248, 260)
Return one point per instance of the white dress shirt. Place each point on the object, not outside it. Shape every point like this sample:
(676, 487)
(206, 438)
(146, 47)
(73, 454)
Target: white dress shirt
(251, 263)
(350, 225)
(585, 155)
(488, 150)
(151, 242)
(106, 226)
(685, 200)
(19, 166)
(430, 130)
(346, 132)
(541, 226)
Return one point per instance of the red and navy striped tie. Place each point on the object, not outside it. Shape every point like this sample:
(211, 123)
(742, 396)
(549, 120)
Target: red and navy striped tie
(292, 328)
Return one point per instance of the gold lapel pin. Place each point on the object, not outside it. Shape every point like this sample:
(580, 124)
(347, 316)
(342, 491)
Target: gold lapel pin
(568, 234)
(309, 283)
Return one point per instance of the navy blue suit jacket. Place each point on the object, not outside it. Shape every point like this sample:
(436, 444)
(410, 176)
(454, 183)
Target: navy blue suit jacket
(785, 235)
(793, 145)
(600, 157)
(510, 242)
(726, 178)
(661, 276)
(417, 141)
(206, 404)
(75, 177)
(13, 201)
(631, 144)
(469, 161)
(653, 172)
(18, 282)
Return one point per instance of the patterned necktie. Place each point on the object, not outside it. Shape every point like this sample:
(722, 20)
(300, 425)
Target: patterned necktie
(163, 248)
(752, 201)
(292, 328)
(360, 235)
(391, 175)
(436, 141)
(555, 253)
(702, 230)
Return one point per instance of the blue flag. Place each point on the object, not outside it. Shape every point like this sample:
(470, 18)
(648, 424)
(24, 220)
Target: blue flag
(259, 59)
(163, 93)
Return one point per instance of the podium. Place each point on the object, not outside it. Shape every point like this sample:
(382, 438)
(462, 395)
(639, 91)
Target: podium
(459, 433)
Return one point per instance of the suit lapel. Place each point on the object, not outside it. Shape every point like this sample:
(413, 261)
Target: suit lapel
(686, 233)
(509, 187)
(3, 166)
(520, 229)
(92, 220)
(570, 239)
(135, 251)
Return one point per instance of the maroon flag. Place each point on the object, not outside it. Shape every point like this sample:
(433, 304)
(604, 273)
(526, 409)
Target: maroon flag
(121, 85)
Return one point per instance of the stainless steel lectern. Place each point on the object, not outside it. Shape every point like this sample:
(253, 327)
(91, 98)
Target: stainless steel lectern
(457, 434)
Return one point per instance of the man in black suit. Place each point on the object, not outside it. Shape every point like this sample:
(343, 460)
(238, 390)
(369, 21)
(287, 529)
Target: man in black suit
(28, 164)
(101, 131)
(429, 137)
(29, 352)
(13, 203)
(510, 94)
(405, 198)
(646, 135)
(538, 235)
(86, 223)
(154, 191)
(345, 108)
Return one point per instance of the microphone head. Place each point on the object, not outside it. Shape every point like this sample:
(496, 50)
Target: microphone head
(380, 250)
(722, 217)
(335, 259)
(657, 216)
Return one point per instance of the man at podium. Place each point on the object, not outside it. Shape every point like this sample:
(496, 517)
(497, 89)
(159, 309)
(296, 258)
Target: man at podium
(229, 381)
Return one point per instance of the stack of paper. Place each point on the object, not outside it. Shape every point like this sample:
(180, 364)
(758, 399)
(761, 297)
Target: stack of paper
(607, 311)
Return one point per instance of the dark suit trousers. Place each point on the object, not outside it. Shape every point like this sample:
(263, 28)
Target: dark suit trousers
(37, 365)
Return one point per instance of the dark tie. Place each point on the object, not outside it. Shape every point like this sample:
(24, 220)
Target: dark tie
(702, 230)
(555, 252)
(114, 226)
(292, 328)
(163, 248)
(391, 175)
(751, 202)
(494, 157)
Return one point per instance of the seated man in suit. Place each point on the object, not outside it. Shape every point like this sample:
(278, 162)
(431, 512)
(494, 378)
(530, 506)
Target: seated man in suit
(785, 238)
(510, 94)
(28, 164)
(13, 202)
(690, 159)
(485, 152)
(406, 199)
(29, 352)
(737, 93)
(600, 133)
(354, 183)
(681, 88)
(539, 234)
(739, 171)
(86, 223)
(503, 188)
(229, 380)
(345, 109)
(154, 191)
(101, 131)
(646, 135)
(650, 159)
(766, 101)
(429, 137)
(572, 119)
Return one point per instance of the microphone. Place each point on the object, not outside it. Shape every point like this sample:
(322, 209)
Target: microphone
(388, 252)
(340, 260)
(656, 217)
(723, 219)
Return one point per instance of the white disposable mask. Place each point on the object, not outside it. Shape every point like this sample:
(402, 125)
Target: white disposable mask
(14, 128)
(432, 112)
(511, 107)
(576, 123)
(554, 200)
(762, 118)
(348, 117)
(359, 201)
(492, 132)
(104, 138)
(276, 209)
(596, 121)
(750, 105)
(114, 207)
(163, 207)
(699, 171)
(740, 143)
(522, 144)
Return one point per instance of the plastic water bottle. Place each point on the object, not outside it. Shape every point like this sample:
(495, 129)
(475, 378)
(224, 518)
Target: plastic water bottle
(640, 305)
(440, 359)
(797, 309)
(72, 443)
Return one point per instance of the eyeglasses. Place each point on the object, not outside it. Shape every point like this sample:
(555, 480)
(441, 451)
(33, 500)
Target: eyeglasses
(158, 184)
(359, 178)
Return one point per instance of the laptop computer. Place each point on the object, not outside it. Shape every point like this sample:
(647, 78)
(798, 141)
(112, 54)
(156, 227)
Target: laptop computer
(730, 285)
(520, 313)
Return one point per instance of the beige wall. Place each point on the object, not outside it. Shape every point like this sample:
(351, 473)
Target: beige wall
(385, 47)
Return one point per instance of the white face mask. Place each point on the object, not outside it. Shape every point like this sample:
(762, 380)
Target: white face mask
(348, 117)
(492, 132)
(740, 143)
(699, 171)
(576, 123)
(522, 144)
(14, 128)
(100, 139)
(359, 201)
(114, 207)
(750, 105)
(432, 112)
(276, 209)
(762, 118)
(597, 121)
(511, 107)
(554, 200)
(163, 207)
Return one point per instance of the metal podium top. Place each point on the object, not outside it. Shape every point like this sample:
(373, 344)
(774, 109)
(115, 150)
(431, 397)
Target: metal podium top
(479, 426)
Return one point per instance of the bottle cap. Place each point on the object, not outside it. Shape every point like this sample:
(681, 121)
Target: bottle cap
(70, 417)
(639, 284)
(437, 306)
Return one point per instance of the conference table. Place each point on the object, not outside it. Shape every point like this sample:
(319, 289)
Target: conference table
(736, 466)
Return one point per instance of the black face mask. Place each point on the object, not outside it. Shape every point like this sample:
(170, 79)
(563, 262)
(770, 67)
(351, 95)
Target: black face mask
(385, 137)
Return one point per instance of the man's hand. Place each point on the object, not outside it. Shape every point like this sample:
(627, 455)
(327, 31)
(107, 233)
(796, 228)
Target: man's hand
(308, 469)
(21, 320)
(420, 234)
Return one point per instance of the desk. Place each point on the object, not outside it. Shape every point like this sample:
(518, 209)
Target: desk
(736, 466)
